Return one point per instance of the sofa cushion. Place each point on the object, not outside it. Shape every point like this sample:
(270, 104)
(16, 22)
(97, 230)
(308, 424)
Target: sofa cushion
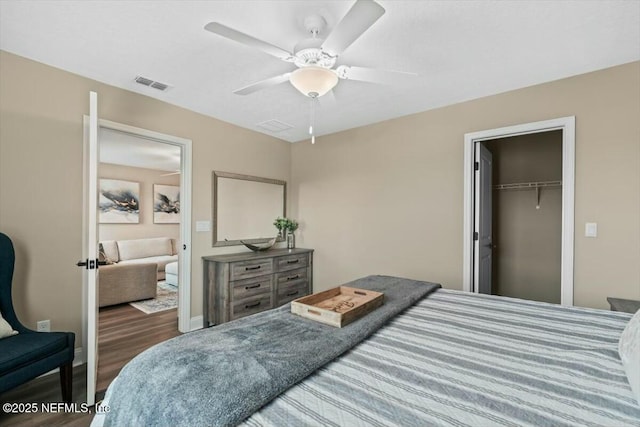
(162, 261)
(172, 268)
(22, 349)
(144, 248)
(108, 251)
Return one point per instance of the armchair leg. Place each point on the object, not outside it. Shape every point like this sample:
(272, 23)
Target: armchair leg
(66, 381)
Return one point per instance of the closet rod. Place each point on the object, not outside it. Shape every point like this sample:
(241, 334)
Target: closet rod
(527, 185)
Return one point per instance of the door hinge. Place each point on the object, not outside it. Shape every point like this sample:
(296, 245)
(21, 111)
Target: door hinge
(476, 166)
(475, 235)
(184, 247)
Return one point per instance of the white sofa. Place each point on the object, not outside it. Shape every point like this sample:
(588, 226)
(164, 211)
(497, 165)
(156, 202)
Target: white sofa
(171, 273)
(158, 250)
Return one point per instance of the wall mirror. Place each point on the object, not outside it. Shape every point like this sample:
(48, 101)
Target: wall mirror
(244, 208)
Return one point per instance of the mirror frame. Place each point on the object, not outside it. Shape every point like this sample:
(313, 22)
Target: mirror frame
(218, 174)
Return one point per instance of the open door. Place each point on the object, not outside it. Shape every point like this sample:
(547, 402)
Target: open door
(90, 245)
(483, 220)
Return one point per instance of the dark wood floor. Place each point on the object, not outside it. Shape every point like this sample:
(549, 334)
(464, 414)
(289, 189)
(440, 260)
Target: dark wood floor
(45, 390)
(123, 333)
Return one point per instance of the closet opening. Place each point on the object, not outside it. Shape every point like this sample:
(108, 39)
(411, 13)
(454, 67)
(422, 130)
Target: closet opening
(516, 246)
(525, 216)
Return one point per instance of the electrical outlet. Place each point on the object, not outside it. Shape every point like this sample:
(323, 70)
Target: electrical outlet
(44, 326)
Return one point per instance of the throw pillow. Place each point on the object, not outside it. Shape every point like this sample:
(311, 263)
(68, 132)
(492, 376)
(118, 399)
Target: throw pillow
(5, 329)
(629, 350)
(102, 256)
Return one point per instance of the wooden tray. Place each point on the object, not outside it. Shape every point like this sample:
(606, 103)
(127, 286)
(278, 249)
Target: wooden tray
(338, 306)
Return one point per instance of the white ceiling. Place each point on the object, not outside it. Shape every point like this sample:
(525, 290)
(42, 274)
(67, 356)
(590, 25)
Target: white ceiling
(461, 50)
(125, 149)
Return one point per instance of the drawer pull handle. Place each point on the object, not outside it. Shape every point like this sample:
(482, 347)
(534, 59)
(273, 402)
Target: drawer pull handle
(252, 268)
(253, 286)
(317, 313)
(290, 294)
(297, 276)
(293, 261)
(253, 305)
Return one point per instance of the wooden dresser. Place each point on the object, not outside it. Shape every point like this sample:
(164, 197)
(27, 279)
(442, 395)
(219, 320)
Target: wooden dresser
(237, 285)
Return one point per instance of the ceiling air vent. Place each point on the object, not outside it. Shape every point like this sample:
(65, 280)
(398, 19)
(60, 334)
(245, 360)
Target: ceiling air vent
(151, 83)
(274, 126)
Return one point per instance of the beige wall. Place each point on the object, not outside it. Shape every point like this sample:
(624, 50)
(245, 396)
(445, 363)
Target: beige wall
(382, 199)
(145, 228)
(528, 241)
(41, 140)
(387, 198)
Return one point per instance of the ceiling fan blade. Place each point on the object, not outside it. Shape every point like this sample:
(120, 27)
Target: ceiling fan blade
(263, 84)
(172, 173)
(362, 15)
(372, 75)
(230, 33)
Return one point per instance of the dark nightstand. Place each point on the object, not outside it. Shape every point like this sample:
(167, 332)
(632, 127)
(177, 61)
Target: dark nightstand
(626, 305)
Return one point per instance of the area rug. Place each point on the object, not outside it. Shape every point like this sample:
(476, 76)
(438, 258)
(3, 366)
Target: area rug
(166, 299)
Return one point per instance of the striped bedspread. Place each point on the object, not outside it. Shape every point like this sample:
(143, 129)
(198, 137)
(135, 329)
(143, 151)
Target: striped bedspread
(460, 359)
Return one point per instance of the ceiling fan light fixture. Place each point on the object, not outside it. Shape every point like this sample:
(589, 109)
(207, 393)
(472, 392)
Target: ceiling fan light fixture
(313, 81)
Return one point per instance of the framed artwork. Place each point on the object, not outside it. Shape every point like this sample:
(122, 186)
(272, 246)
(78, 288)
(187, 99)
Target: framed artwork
(119, 202)
(166, 204)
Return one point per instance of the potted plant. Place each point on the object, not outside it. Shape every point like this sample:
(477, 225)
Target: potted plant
(291, 226)
(281, 225)
(286, 227)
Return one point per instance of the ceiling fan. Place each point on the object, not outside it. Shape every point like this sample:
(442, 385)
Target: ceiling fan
(315, 56)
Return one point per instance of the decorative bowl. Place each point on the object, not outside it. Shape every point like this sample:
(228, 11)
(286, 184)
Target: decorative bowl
(257, 247)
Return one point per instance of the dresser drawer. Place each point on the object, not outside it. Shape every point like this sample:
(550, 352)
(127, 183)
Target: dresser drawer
(291, 292)
(245, 283)
(251, 305)
(253, 268)
(250, 287)
(291, 262)
(291, 276)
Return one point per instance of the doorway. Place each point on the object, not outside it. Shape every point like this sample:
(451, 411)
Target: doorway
(92, 127)
(184, 293)
(479, 244)
(525, 217)
(139, 233)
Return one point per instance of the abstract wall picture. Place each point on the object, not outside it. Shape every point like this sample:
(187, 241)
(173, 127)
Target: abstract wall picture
(166, 204)
(119, 202)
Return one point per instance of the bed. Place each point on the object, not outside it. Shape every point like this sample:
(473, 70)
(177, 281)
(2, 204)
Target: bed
(458, 359)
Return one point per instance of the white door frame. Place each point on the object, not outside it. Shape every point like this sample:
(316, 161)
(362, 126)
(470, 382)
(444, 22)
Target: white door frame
(567, 125)
(184, 289)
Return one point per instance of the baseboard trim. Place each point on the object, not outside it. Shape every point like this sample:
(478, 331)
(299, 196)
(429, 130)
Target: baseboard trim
(196, 323)
(78, 357)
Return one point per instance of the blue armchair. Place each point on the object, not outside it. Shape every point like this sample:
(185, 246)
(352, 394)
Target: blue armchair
(29, 354)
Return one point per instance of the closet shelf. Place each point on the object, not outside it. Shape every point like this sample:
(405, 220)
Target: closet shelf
(527, 185)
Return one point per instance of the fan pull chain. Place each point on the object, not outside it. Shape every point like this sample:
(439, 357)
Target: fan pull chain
(312, 114)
